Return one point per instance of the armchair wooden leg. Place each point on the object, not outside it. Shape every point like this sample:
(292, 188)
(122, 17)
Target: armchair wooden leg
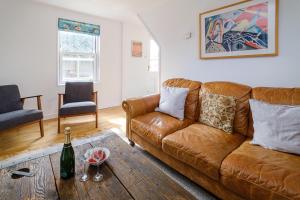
(58, 125)
(96, 119)
(41, 127)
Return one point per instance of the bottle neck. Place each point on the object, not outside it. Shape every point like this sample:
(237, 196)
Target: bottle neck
(67, 138)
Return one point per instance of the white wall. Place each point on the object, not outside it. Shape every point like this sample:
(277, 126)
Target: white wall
(137, 80)
(172, 20)
(28, 52)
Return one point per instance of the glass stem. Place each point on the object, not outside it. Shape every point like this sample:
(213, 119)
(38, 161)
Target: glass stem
(98, 170)
(85, 168)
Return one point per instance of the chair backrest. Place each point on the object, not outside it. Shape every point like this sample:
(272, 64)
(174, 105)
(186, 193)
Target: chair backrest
(78, 92)
(10, 99)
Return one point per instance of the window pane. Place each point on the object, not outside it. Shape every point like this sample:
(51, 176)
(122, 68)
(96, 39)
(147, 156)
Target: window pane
(78, 57)
(77, 42)
(69, 69)
(86, 69)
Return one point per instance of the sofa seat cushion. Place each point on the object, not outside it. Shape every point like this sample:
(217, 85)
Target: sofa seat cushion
(254, 172)
(155, 126)
(78, 108)
(15, 118)
(202, 147)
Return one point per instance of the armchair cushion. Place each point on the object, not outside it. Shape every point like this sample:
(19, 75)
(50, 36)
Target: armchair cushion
(14, 118)
(78, 108)
(78, 92)
(10, 99)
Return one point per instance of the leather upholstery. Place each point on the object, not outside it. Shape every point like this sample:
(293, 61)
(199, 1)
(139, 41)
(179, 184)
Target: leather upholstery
(193, 174)
(139, 106)
(155, 126)
(10, 98)
(192, 100)
(242, 95)
(223, 164)
(258, 173)
(284, 96)
(202, 147)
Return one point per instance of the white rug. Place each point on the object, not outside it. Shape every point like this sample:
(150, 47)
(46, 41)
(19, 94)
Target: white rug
(23, 157)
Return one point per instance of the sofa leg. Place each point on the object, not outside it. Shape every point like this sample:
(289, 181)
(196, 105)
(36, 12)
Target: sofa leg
(131, 143)
(41, 127)
(58, 125)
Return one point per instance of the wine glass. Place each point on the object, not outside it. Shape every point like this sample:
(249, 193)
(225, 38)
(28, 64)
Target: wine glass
(98, 176)
(84, 165)
(96, 156)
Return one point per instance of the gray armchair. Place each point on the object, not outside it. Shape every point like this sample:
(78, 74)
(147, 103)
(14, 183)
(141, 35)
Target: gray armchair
(79, 99)
(12, 113)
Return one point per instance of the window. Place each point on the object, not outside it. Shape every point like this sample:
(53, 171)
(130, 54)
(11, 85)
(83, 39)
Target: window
(154, 57)
(78, 57)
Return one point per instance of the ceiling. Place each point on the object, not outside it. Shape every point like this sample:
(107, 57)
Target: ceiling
(122, 10)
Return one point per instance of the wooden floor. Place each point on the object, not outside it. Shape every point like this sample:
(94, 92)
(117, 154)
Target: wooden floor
(27, 138)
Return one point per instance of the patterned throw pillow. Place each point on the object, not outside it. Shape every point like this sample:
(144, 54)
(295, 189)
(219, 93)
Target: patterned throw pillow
(218, 111)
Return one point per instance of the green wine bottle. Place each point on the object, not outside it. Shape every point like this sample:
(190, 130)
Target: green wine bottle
(67, 158)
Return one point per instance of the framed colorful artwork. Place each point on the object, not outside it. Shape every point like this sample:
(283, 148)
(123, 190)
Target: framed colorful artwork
(136, 49)
(244, 29)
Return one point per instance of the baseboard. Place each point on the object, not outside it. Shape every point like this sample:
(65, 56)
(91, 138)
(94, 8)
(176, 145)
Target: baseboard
(51, 116)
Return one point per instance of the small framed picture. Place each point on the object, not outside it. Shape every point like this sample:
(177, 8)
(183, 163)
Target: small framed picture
(244, 29)
(136, 49)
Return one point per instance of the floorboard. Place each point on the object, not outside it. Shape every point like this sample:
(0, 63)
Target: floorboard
(27, 138)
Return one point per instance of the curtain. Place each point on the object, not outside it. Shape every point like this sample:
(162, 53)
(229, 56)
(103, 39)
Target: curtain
(79, 27)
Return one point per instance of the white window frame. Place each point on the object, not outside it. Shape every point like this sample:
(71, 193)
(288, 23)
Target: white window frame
(96, 75)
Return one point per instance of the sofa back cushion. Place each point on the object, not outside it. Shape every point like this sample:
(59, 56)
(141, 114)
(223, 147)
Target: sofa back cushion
(10, 98)
(242, 95)
(281, 96)
(191, 109)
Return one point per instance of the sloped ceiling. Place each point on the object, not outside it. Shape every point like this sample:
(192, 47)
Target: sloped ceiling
(121, 10)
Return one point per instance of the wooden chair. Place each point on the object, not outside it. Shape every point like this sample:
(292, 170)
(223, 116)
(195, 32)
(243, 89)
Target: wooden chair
(12, 113)
(79, 99)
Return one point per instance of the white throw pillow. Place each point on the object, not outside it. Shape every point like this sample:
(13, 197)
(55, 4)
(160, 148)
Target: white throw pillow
(172, 101)
(276, 126)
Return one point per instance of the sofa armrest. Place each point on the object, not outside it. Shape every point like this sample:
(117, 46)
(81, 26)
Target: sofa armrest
(138, 106)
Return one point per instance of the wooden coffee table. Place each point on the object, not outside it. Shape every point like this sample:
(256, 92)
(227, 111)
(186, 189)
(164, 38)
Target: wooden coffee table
(128, 174)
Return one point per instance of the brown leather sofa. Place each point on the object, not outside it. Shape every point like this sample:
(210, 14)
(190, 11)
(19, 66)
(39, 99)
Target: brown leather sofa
(224, 164)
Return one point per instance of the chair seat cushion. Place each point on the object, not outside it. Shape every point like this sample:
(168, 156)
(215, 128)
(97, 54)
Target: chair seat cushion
(78, 108)
(15, 118)
(155, 126)
(254, 172)
(202, 147)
